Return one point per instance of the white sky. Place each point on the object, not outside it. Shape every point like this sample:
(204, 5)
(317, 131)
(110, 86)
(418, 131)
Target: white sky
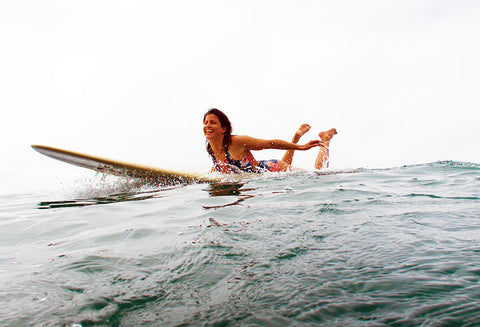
(131, 80)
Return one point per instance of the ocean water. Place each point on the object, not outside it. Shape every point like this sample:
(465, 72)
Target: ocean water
(385, 247)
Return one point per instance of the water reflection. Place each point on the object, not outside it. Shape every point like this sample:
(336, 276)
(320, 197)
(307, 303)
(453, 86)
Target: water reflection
(133, 194)
(227, 189)
(113, 198)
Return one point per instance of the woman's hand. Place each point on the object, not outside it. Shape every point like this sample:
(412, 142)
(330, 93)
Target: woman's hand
(310, 145)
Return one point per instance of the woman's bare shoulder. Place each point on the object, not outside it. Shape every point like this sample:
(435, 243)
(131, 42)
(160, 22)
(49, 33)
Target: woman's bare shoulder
(242, 140)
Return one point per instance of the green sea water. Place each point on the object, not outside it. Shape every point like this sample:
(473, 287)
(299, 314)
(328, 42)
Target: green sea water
(389, 247)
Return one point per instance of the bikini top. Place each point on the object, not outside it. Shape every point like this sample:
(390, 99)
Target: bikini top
(231, 165)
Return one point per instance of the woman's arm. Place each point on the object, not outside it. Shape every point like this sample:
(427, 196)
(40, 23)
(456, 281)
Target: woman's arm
(251, 143)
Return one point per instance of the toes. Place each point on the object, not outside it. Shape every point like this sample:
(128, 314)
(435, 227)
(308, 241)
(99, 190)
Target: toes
(303, 129)
(327, 135)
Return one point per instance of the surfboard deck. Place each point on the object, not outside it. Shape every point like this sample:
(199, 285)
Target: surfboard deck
(125, 169)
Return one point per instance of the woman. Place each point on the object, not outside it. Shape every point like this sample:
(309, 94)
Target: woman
(231, 153)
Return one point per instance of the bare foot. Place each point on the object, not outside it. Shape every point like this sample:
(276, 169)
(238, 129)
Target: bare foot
(300, 132)
(327, 135)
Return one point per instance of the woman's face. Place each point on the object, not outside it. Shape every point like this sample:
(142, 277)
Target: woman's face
(212, 128)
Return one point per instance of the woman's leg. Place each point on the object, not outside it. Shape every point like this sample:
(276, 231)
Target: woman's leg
(288, 156)
(322, 157)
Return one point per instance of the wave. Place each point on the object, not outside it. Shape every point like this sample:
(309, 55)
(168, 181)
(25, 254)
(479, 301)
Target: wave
(102, 189)
(346, 247)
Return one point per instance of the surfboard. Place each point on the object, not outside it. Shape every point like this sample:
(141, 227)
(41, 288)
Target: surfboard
(125, 169)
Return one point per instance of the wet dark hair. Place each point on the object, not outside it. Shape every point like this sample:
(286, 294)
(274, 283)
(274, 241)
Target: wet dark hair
(224, 122)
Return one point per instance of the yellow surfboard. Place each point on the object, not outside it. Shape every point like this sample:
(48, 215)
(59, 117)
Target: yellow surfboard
(124, 169)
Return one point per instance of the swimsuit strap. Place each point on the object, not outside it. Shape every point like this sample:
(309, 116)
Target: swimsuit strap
(232, 162)
(227, 154)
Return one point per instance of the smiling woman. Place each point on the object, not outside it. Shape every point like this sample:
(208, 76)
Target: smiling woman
(232, 153)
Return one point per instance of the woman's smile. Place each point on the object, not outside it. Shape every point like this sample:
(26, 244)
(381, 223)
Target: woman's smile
(212, 127)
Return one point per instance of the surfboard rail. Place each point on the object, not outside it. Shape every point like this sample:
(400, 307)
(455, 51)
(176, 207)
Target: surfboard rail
(124, 169)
